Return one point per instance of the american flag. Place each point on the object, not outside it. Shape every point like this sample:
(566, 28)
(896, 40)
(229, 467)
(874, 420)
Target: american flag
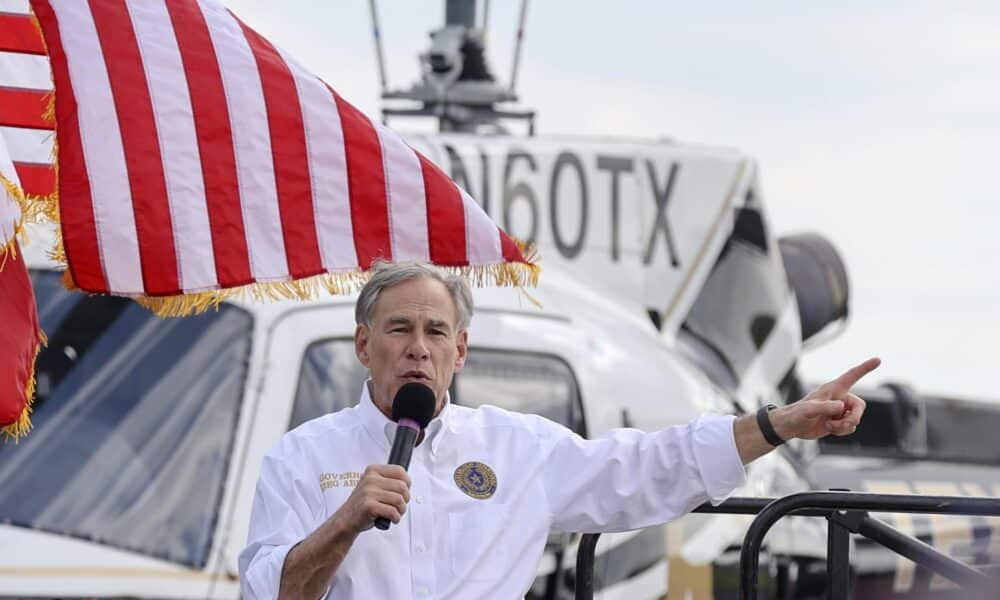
(21, 105)
(194, 156)
(24, 86)
(20, 336)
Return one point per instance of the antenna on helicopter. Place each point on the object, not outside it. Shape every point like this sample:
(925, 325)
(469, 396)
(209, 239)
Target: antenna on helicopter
(456, 85)
(376, 31)
(517, 43)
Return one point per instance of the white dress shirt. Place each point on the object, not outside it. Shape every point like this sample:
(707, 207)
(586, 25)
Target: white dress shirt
(484, 542)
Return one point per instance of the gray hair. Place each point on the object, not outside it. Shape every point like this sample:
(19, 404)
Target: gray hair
(384, 275)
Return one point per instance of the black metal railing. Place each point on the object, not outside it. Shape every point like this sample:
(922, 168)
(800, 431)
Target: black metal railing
(845, 513)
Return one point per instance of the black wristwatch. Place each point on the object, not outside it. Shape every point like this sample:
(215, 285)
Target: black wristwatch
(764, 422)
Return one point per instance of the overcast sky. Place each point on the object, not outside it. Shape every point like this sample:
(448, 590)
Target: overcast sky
(875, 124)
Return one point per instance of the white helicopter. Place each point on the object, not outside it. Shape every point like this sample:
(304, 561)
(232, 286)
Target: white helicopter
(665, 295)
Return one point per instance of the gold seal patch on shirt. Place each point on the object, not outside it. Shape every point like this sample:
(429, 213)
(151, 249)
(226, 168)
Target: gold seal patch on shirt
(476, 479)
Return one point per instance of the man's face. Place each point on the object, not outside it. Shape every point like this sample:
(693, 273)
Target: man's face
(412, 338)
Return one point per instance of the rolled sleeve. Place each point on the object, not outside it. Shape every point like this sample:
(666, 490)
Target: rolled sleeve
(713, 444)
(285, 511)
(260, 570)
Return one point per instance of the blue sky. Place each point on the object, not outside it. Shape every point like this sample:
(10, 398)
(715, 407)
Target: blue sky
(875, 124)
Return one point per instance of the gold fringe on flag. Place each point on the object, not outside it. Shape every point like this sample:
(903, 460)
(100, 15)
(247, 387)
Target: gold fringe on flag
(14, 190)
(34, 209)
(31, 212)
(22, 425)
(38, 210)
(339, 283)
(8, 246)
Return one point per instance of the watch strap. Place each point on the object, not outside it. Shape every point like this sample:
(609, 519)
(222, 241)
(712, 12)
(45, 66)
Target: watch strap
(764, 422)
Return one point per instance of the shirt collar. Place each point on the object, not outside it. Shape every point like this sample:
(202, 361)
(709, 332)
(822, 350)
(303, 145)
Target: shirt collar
(383, 429)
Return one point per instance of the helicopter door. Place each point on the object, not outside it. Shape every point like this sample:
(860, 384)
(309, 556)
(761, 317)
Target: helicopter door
(294, 358)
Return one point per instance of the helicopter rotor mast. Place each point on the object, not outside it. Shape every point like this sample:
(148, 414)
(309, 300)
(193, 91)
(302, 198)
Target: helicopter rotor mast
(456, 85)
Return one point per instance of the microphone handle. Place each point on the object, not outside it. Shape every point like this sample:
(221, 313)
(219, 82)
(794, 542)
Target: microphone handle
(402, 450)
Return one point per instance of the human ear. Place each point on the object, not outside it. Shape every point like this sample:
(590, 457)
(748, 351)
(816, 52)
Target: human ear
(361, 336)
(462, 342)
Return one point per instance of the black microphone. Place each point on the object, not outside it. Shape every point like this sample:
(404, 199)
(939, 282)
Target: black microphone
(412, 410)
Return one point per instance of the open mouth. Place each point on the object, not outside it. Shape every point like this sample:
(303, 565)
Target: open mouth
(416, 376)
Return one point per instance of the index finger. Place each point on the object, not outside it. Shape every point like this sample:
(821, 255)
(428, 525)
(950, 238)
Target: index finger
(392, 472)
(844, 383)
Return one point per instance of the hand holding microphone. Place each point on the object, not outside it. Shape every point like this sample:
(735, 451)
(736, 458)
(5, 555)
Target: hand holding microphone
(383, 490)
(412, 410)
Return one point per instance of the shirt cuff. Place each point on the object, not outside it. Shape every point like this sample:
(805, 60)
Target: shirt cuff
(714, 448)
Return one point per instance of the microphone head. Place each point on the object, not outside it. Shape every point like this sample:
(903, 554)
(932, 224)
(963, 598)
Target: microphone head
(414, 401)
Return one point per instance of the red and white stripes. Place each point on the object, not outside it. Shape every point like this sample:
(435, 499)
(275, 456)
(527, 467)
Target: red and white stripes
(195, 156)
(24, 87)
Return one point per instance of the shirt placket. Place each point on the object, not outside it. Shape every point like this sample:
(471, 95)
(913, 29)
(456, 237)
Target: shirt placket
(421, 510)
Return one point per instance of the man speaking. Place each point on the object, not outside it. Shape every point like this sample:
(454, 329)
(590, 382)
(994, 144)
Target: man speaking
(484, 487)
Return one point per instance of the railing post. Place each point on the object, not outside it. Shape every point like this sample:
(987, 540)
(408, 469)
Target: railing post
(838, 558)
(585, 566)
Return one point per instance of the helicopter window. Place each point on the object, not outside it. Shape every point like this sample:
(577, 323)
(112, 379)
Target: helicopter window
(133, 416)
(741, 300)
(521, 382)
(708, 359)
(331, 379)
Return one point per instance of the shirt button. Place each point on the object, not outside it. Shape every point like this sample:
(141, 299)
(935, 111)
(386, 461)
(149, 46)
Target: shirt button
(420, 499)
(420, 548)
(422, 591)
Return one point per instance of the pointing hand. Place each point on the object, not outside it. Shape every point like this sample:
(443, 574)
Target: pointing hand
(830, 409)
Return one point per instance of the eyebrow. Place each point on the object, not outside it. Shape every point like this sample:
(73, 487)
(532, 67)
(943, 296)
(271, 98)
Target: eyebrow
(401, 320)
(439, 324)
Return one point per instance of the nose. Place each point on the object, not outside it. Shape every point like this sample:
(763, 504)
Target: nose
(417, 348)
